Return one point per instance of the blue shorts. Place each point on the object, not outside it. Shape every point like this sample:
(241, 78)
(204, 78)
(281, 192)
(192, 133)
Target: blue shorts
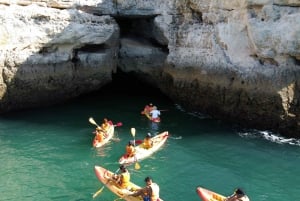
(147, 198)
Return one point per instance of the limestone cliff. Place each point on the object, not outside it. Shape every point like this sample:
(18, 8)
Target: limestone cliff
(234, 59)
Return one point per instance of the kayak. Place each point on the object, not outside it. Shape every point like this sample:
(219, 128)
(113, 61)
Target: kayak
(142, 153)
(109, 135)
(207, 195)
(105, 176)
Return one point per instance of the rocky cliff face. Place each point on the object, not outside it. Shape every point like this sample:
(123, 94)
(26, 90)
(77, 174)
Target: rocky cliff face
(234, 59)
(48, 55)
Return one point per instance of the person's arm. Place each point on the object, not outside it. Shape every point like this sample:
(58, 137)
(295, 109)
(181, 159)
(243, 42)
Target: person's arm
(139, 192)
(231, 198)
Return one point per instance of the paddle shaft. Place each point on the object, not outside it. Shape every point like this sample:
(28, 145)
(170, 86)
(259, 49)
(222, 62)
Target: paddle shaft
(92, 121)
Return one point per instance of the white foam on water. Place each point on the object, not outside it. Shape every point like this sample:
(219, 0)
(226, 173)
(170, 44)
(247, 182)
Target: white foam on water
(270, 136)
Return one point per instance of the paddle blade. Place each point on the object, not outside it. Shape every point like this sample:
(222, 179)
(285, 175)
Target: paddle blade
(138, 141)
(98, 192)
(132, 131)
(119, 124)
(92, 121)
(137, 166)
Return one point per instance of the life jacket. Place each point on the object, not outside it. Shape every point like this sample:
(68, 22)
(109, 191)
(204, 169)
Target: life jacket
(99, 136)
(130, 151)
(155, 192)
(125, 180)
(147, 143)
(105, 126)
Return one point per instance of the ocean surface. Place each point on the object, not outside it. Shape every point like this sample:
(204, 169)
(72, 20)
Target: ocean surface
(47, 154)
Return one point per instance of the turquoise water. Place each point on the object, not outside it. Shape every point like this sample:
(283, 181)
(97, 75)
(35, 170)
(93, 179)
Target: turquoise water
(46, 154)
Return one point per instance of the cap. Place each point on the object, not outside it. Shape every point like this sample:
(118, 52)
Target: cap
(131, 142)
(148, 134)
(150, 104)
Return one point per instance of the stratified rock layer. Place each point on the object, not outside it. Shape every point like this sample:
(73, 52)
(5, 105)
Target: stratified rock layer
(233, 59)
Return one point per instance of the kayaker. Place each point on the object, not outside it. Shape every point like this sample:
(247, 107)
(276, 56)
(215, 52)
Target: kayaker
(238, 195)
(147, 109)
(130, 150)
(155, 113)
(123, 179)
(99, 134)
(150, 192)
(148, 143)
(106, 124)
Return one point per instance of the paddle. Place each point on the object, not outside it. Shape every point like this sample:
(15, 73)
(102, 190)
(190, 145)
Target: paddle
(132, 130)
(137, 165)
(92, 121)
(118, 124)
(98, 192)
(101, 189)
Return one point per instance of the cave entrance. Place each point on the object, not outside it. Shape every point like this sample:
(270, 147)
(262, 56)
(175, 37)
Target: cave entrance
(137, 32)
(130, 84)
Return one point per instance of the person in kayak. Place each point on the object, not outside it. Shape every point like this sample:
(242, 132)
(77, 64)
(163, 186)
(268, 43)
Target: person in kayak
(130, 150)
(147, 109)
(148, 143)
(238, 195)
(155, 113)
(106, 124)
(123, 179)
(99, 135)
(150, 192)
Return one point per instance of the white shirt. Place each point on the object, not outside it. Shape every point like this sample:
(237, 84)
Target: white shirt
(155, 113)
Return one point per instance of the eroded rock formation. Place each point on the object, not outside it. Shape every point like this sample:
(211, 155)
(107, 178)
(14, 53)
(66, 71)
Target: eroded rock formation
(234, 59)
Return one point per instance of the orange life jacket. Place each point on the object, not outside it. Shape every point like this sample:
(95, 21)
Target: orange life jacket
(99, 136)
(130, 150)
